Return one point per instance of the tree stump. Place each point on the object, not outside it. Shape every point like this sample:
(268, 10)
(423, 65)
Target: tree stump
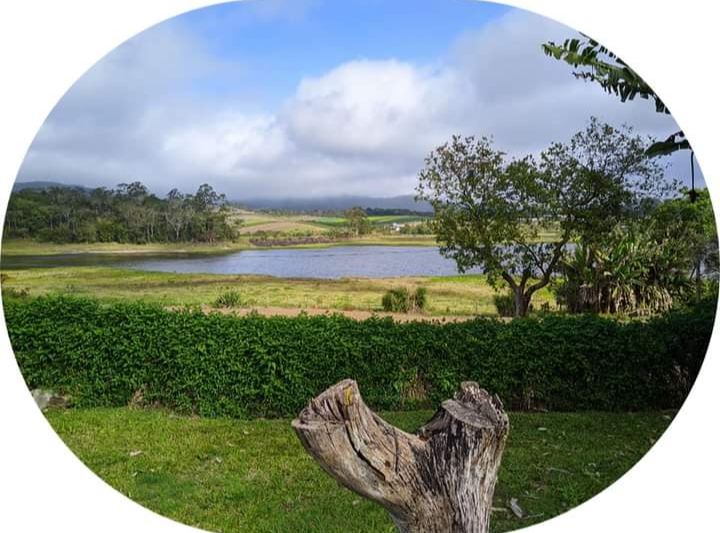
(439, 480)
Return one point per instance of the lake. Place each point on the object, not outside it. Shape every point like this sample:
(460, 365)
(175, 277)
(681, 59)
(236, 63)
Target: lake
(327, 263)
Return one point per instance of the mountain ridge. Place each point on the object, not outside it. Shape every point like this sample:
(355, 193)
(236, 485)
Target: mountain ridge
(326, 203)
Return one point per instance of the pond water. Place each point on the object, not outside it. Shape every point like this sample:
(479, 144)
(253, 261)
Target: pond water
(327, 263)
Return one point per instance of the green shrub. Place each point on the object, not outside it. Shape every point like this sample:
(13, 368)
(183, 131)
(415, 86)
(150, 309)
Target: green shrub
(216, 364)
(505, 304)
(420, 298)
(228, 299)
(399, 300)
(396, 300)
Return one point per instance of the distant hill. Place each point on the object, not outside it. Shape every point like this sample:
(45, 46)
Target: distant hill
(332, 203)
(22, 185)
(328, 203)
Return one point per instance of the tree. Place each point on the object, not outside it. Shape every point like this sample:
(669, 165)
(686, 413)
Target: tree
(693, 223)
(177, 212)
(357, 220)
(598, 64)
(489, 211)
(208, 214)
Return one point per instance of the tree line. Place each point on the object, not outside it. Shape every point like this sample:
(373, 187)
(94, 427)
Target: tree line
(130, 213)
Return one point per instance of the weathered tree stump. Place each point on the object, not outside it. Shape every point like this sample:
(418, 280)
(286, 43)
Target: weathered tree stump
(439, 480)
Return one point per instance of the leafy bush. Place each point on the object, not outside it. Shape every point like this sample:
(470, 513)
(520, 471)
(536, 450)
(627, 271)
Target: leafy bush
(399, 300)
(228, 299)
(396, 300)
(505, 304)
(216, 365)
(420, 298)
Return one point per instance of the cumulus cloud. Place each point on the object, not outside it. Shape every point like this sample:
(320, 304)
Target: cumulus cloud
(371, 108)
(363, 127)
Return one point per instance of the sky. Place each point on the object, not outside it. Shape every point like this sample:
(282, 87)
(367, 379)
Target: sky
(317, 98)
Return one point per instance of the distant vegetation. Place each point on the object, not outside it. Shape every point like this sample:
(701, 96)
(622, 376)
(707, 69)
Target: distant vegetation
(380, 212)
(127, 214)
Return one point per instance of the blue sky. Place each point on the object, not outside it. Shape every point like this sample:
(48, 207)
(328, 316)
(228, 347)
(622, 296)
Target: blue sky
(276, 46)
(278, 98)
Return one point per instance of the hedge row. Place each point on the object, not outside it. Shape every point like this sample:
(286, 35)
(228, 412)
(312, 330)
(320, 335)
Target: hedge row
(258, 366)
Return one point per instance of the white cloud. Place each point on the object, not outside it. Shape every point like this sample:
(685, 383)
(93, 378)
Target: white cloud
(229, 144)
(364, 127)
(371, 108)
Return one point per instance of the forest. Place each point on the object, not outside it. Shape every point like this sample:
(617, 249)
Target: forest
(130, 213)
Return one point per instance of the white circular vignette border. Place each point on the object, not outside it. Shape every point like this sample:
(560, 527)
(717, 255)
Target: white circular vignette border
(46, 46)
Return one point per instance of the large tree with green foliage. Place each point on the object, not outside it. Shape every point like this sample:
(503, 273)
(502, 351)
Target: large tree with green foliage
(693, 223)
(489, 210)
(357, 220)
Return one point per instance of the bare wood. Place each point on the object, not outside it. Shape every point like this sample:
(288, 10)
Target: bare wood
(439, 480)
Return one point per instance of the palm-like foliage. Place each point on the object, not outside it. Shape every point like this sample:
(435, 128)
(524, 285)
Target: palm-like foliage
(635, 269)
(594, 62)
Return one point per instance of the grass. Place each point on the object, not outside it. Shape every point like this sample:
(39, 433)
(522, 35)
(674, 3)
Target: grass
(30, 247)
(285, 228)
(398, 219)
(457, 295)
(254, 477)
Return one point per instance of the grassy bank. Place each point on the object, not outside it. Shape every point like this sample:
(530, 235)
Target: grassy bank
(254, 477)
(458, 295)
(30, 247)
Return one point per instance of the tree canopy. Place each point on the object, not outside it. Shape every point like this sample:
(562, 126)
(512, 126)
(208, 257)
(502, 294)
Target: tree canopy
(128, 213)
(490, 210)
(357, 220)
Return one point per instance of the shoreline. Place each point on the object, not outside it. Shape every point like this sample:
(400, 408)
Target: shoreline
(18, 248)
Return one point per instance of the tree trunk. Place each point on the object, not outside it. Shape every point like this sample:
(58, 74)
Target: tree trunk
(439, 480)
(522, 302)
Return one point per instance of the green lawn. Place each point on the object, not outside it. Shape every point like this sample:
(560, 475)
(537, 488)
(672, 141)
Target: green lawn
(253, 476)
(447, 296)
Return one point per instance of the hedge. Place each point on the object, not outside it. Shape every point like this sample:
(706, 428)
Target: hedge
(216, 365)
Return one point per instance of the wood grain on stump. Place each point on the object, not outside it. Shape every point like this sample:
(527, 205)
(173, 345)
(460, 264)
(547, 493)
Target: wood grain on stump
(439, 480)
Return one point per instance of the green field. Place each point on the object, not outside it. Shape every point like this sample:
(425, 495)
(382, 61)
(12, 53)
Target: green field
(254, 476)
(375, 220)
(457, 295)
